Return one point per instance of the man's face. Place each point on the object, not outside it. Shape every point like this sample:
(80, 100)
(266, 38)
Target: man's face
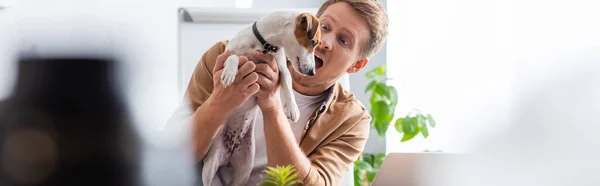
(343, 35)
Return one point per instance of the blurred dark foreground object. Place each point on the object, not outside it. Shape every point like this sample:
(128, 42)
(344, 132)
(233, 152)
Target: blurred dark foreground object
(65, 124)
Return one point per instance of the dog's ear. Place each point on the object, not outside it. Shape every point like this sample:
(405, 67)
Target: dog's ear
(309, 25)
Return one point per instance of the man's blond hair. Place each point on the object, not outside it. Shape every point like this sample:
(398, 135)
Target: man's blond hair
(374, 13)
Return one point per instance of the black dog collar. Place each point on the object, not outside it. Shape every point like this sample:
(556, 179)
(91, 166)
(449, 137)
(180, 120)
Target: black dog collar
(266, 46)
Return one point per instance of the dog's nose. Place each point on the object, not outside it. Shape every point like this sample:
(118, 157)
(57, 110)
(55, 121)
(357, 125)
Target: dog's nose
(311, 72)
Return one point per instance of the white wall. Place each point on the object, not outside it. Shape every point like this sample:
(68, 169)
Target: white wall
(472, 63)
(287, 3)
(448, 60)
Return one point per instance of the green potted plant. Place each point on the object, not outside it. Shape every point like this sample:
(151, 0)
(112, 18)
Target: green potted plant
(384, 100)
(280, 176)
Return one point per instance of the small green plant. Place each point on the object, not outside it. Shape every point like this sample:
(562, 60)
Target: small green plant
(280, 176)
(366, 167)
(384, 100)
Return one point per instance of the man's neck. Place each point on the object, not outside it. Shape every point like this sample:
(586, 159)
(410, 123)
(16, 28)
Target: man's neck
(311, 91)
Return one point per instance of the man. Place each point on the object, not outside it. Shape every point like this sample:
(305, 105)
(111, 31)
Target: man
(333, 126)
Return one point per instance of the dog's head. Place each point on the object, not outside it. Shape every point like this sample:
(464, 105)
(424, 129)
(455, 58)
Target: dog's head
(307, 34)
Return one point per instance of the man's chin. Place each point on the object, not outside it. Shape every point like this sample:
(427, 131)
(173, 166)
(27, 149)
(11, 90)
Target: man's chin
(302, 80)
(312, 81)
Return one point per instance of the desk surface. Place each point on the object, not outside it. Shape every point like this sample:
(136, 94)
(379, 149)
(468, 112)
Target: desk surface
(410, 169)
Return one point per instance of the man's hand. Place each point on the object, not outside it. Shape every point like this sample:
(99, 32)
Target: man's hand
(282, 148)
(245, 84)
(268, 79)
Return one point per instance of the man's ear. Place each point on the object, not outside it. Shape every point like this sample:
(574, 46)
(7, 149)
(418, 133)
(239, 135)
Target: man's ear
(358, 65)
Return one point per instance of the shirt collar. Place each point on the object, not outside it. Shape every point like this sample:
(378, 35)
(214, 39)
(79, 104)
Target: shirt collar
(331, 95)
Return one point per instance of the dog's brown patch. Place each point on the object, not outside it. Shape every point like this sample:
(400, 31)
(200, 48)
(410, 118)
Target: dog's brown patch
(308, 32)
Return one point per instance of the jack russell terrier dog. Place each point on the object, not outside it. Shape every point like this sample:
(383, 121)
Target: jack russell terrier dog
(285, 35)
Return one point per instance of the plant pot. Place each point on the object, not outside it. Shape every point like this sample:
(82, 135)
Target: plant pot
(65, 124)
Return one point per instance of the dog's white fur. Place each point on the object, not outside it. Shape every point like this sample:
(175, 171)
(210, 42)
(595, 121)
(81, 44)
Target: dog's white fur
(234, 143)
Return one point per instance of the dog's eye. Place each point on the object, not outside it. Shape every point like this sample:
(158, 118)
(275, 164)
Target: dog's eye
(313, 43)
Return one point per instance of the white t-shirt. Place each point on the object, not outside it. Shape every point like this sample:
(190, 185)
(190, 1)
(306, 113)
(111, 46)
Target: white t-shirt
(307, 106)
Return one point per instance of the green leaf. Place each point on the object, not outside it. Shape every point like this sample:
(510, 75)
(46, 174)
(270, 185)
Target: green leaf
(271, 173)
(374, 110)
(408, 136)
(279, 176)
(398, 125)
(369, 164)
(393, 95)
(411, 128)
(373, 100)
(381, 126)
(380, 113)
(379, 160)
(358, 178)
(292, 177)
(363, 165)
(374, 97)
(385, 91)
(370, 86)
(425, 131)
(376, 72)
(423, 125)
(415, 125)
(390, 116)
(380, 89)
(371, 175)
(431, 121)
(380, 70)
(368, 157)
(408, 125)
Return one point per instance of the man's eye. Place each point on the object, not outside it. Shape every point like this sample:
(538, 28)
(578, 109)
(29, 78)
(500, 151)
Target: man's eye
(343, 41)
(324, 26)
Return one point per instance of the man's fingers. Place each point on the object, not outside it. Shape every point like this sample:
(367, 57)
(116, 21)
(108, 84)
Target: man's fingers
(273, 65)
(248, 80)
(270, 60)
(266, 58)
(242, 61)
(217, 78)
(264, 82)
(253, 88)
(259, 56)
(266, 71)
(245, 70)
(221, 60)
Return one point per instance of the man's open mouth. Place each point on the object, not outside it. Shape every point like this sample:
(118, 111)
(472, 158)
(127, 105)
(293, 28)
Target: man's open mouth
(318, 62)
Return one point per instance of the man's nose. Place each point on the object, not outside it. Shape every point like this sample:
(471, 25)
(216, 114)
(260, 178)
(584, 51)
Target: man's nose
(326, 42)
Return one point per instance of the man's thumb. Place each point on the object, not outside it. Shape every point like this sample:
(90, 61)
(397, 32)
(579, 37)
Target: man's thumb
(221, 60)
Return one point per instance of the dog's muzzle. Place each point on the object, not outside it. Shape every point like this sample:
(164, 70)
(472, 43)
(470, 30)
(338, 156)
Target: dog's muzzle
(308, 71)
(311, 73)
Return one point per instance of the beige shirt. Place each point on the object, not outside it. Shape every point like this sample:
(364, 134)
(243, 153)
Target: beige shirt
(332, 138)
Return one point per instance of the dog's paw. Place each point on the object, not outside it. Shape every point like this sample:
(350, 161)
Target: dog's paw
(227, 77)
(291, 111)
